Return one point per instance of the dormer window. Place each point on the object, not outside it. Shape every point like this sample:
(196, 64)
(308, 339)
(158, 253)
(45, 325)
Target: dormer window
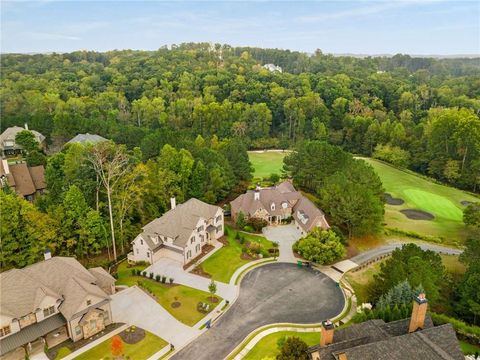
(272, 206)
(284, 204)
(192, 240)
(49, 311)
(4, 331)
(89, 302)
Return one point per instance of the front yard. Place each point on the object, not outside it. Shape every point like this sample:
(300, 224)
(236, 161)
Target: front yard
(221, 265)
(268, 346)
(179, 300)
(141, 350)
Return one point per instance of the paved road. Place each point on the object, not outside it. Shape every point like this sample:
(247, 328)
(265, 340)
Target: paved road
(174, 269)
(133, 306)
(275, 292)
(386, 249)
(285, 236)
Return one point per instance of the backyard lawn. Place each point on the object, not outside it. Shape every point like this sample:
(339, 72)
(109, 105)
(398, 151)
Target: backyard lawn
(166, 295)
(266, 163)
(419, 193)
(469, 349)
(227, 260)
(268, 348)
(140, 351)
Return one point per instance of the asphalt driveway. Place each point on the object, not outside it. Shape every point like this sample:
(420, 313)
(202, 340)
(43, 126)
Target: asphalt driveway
(272, 293)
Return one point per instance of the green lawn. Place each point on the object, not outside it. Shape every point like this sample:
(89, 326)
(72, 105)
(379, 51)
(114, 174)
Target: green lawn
(469, 349)
(139, 351)
(267, 347)
(166, 295)
(419, 193)
(266, 163)
(227, 260)
(62, 352)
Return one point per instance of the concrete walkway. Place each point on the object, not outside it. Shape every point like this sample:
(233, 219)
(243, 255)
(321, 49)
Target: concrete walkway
(174, 269)
(133, 306)
(285, 236)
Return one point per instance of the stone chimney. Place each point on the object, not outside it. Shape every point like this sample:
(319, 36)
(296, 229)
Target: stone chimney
(419, 311)
(173, 202)
(326, 334)
(47, 255)
(256, 193)
(342, 356)
(26, 126)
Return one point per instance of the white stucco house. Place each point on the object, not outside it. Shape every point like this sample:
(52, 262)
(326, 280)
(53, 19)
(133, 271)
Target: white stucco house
(179, 234)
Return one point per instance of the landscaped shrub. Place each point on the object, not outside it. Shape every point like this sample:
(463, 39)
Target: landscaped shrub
(171, 281)
(320, 246)
(256, 224)
(134, 272)
(248, 228)
(151, 275)
(241, 238)
(254, 247)
(144, 273)
(459, 325)
(158, 277)
(164, 278)
(139, 272)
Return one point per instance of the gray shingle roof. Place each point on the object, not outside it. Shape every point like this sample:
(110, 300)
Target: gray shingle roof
(377, 340)
(86, 138)
(11, 132)
(179, 223)
(31, 333)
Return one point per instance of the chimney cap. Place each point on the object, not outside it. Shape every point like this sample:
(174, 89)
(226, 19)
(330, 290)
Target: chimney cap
(327, 324)
(421, 299)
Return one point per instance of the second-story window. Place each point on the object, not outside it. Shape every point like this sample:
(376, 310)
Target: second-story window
(192, 240)
(5, 331)
(219, 218)
(141, 241)
(49, 311)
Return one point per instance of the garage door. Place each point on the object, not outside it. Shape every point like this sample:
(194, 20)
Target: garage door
(169, 254)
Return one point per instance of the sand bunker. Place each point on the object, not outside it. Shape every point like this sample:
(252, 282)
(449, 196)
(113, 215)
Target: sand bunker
(391, 200)
(417, 214)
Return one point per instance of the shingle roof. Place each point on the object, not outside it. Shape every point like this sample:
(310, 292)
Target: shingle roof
(86, 138)
(23, 180)
(377, 340)
(31, 333)
(179, 223)
(61, 277)
(11, 132)
(282, 193)
(37, 174)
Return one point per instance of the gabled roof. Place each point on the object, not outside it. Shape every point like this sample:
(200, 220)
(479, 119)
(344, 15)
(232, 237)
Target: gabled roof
(178, 223)
(11, 132)
(311, 213)
(377, 340)
(63, 278)
(23, 179)
(86, 138)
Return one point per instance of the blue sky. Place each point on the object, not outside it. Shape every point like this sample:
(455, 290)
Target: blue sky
(366, 27)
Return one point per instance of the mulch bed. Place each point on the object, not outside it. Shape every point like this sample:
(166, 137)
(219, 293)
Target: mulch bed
(417, 214)
(245, 256)
(391, 200)
(205, 250)
(176, 304)
(73, 346)
(132, 335)
(213, 299)
(199, 271)
(223, 240)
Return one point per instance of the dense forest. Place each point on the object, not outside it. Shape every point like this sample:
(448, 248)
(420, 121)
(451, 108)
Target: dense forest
(420, 113)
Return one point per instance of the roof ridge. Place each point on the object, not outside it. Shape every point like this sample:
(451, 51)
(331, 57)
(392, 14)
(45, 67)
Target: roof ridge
(442, 353)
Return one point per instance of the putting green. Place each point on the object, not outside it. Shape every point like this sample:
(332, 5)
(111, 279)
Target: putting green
(439, 206)
(442, 201)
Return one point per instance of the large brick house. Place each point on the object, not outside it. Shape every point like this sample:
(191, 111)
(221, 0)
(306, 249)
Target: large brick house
(180, 233)
(277, 203)
(51, 301)
(407, 339)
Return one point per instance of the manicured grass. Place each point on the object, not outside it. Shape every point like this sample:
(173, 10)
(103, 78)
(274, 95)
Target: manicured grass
(168, 294)
(124, 273)
(469, 349)
(62, 352)
(267, 347)
(227, 260)
(266, 163)
(419, 193)
(139, 351)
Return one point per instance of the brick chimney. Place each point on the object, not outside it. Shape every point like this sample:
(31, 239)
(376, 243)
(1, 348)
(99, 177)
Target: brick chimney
(417, 321)
(326, 334)
(173, 202)
(342, 356)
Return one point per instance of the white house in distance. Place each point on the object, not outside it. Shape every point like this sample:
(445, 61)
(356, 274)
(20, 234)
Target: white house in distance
(180, 233)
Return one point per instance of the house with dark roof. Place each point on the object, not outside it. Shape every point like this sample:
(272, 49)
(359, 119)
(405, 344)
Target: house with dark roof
(86, 139)
(26, 181)
(407, 339)
(277, 203)
(180, 233)
(51, 301)
(8, 145)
